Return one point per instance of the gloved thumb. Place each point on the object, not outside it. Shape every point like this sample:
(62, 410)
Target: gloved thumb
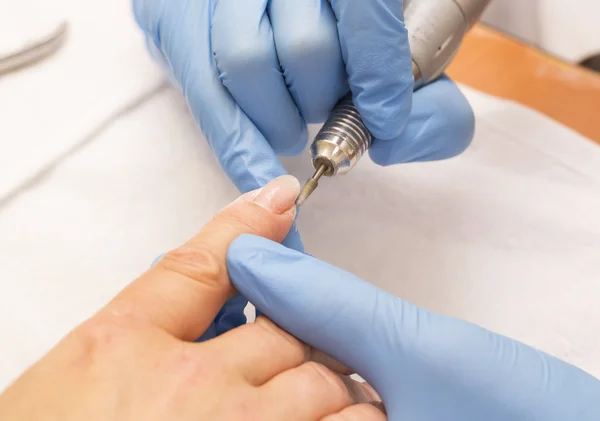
(407, 354)
(322, 305)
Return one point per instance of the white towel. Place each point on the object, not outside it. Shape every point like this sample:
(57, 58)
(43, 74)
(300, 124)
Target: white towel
(47, 109)
(24, 22)
(507, 235)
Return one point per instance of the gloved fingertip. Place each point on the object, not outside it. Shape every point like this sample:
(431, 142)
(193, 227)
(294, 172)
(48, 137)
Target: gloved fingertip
(441, 126)
(382, 156)
(302, 294)
(293, 148)
(375, 47)
(247, 251)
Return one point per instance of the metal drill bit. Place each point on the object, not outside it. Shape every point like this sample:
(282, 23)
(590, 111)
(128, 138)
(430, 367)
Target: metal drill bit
(311, 185)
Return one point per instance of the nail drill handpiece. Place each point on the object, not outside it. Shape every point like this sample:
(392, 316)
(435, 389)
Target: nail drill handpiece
(436, 29)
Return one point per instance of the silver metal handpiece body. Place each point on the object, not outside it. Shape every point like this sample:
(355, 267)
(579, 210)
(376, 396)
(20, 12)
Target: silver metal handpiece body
(436, 29)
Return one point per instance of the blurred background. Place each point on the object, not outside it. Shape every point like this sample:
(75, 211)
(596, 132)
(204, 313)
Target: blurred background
(567, 29)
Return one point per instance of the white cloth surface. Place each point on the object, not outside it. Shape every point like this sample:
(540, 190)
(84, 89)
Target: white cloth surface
(24, 22)
(48, 108)
(507, 235)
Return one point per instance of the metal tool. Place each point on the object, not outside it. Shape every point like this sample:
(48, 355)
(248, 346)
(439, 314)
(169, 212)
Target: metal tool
(436, 29)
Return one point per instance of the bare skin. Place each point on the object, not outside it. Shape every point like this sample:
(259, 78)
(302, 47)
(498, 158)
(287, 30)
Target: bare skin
(135, 359)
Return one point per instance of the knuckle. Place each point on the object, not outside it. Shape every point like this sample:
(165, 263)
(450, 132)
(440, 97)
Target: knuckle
(315, 377)
(105, 329)
(192, 367)
(103, 334)
(198, 263)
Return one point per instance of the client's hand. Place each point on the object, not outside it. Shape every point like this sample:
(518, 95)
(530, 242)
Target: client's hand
(134, 360)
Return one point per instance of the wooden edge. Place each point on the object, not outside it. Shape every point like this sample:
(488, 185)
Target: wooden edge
(502, 66)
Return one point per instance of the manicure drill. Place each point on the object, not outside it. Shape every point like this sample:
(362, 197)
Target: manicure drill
(436, 29)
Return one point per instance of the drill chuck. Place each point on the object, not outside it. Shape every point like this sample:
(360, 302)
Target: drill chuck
(436, 29)
(342, 141)
(344, 138)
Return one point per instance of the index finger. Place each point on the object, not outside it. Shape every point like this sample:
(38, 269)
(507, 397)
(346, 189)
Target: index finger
(185, 290)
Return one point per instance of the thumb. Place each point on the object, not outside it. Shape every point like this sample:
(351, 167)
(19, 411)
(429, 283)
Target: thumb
(184, 292)
(409, 355)
(375, 48)
(322, 305)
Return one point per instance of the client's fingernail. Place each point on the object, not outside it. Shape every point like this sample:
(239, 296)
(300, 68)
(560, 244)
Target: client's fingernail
(380, 406)
(370, 392)
(279, 195)
(360, 392)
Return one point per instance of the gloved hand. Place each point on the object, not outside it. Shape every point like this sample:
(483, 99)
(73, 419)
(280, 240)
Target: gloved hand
(133, 359)
(254, 72)
(425, 366)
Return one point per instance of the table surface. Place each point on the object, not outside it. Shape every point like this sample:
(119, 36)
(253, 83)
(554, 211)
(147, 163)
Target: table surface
(511, 69)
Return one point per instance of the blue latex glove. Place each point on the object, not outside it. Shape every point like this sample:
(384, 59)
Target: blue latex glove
(254, 72)
(424, 365)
